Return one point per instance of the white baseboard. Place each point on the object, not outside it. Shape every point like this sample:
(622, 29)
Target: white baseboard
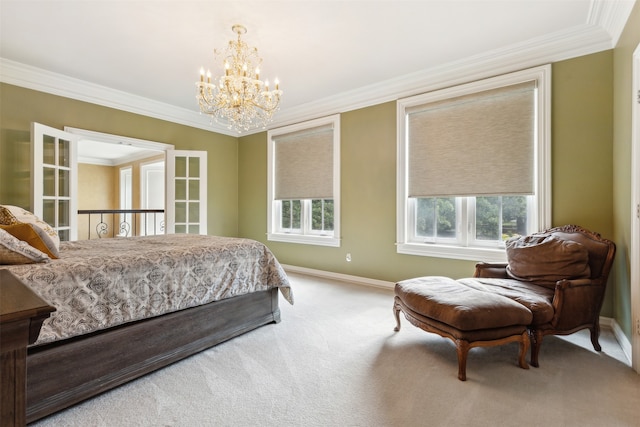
(339, 276)
(622, 339)
(605, 322)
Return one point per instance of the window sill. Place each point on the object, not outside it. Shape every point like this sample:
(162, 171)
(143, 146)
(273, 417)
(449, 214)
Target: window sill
(304, 239)
(453, 252)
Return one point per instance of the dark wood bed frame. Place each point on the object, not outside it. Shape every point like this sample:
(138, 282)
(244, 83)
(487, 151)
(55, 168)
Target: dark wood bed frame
(64, 373)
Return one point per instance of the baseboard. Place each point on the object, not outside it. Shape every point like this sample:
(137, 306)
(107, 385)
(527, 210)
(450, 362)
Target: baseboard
(622, 339)
(339, 276)
(606, 322)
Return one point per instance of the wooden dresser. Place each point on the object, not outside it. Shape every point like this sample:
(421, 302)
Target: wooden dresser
(21, 315)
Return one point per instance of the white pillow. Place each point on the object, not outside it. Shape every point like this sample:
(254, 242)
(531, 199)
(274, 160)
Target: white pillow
(11, 215)
(15, 251)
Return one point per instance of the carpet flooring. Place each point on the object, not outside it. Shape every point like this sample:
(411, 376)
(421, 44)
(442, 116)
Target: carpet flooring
(334, 360)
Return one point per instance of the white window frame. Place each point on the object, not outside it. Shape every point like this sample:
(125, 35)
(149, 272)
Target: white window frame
(305, 235)
(541, 216)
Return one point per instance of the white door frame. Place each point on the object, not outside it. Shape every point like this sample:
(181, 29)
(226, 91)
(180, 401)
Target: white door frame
(89, 135)
(125, 191)
(634, 253)
(147, 169)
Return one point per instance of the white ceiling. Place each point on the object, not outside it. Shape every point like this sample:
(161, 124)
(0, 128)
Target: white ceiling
(110, 154)
(330, 56)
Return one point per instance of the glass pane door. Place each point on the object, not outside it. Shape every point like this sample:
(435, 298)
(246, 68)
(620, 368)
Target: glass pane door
(54, 182)
(186, 192)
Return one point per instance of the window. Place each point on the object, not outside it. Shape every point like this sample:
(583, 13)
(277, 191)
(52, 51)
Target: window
(304, 182)
(474, 166)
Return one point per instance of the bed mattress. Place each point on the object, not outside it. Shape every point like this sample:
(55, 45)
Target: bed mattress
(97, 284)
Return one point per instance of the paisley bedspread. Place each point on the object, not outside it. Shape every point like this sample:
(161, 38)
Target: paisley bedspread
(101, 283)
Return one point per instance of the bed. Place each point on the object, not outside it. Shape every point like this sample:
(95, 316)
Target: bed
(128, 306)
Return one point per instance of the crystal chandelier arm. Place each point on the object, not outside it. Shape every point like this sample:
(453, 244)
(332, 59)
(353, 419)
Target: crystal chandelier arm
(240, 98)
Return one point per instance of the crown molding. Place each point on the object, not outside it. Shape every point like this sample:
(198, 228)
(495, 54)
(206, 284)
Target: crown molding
(113, 162)
(29, 77)
(605, 24)
(578, 41)
(612, 16)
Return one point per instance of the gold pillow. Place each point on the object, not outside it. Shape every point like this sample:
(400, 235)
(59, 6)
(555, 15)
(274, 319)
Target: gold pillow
(6, 217)
(15, 251)
(12, 215)
(30, 234)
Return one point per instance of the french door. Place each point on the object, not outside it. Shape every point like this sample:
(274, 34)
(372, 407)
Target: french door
(186, 189)
(54, 179)
(54, 184)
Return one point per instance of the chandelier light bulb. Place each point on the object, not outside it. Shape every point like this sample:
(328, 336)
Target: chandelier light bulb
(237, 99)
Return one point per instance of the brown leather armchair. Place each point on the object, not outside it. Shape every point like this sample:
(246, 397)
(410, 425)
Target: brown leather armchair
(559, 307)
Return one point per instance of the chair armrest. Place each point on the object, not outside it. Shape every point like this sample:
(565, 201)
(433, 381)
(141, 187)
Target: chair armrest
(491, 270)
(567, 283)
(576, 302)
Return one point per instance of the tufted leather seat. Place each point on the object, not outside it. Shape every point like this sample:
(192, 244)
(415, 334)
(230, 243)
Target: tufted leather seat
(467, 316)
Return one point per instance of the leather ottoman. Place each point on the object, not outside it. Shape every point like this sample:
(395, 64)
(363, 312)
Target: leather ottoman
(469, 317)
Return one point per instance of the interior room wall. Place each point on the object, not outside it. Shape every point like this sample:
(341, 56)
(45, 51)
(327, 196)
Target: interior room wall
(95, 191)
(20, 106)
(581, 183)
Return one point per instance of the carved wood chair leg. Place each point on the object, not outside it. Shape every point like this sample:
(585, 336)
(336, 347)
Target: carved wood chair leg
(595, 334)
(524, 347)
(462, 348)
(396, 313)
(536, 341)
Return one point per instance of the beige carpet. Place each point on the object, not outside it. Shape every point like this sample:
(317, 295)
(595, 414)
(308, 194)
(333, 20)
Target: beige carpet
(334, 360)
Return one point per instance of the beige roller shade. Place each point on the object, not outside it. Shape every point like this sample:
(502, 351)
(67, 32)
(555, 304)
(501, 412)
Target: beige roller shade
(304, 164)
(477, 144)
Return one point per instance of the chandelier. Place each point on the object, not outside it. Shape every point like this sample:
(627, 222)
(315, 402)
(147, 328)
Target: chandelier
(239, 100)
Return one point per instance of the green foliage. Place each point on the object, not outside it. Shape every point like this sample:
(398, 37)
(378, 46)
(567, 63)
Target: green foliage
(436, 215)
(487, 218)
(497, 217)
(291, 214)
(322, 214)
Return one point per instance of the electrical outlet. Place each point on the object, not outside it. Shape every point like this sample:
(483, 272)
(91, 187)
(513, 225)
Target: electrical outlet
(349, 257)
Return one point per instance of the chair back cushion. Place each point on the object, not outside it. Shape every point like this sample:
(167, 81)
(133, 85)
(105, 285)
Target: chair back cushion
(601, 251)
(544, 259)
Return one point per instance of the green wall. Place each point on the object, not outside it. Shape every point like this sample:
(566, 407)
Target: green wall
(582, 151)
(581, 168)
(622, 133)
(19, 107)
(368, 181)
(582, 147)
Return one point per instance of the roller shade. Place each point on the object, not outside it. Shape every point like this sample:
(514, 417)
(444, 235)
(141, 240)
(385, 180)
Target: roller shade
(304, 164)
(477, 144)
